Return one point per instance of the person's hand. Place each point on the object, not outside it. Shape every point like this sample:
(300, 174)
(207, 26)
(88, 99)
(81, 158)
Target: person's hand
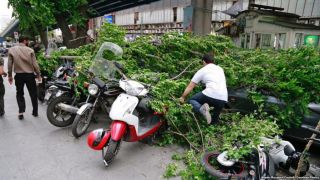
(39, 78)
(181, 99)
(10, 79)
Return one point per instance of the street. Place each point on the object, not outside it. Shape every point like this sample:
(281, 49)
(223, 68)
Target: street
(33, 149)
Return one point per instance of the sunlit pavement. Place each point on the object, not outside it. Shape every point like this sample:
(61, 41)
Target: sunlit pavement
(33, 149)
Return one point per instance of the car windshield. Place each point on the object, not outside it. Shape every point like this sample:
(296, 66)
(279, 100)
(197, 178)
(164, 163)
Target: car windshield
(102, 65)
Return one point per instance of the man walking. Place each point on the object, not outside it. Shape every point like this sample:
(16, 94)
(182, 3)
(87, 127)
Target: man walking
(215, 94)
(2, 89)
(22, 59)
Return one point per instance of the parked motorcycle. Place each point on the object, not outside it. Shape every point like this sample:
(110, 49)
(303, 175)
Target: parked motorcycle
(260, 164)
(48, 87)
(100, 95)
(132, 120)
(62, 109)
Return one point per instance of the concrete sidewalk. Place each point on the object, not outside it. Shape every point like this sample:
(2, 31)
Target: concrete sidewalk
(33, 149)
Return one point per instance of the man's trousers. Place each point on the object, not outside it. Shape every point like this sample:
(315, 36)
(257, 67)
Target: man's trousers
(29, 79)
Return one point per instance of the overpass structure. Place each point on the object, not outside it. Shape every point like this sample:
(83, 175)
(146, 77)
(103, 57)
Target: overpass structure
(98, 7)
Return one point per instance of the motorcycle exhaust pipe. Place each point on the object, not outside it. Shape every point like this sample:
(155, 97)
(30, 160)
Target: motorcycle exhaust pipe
(68, 108)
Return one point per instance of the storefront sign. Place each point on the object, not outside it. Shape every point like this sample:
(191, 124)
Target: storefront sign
(311, 40)
(109, 18)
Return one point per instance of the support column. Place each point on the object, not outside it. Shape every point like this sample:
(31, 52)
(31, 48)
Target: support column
(202, 16)
(251, 2)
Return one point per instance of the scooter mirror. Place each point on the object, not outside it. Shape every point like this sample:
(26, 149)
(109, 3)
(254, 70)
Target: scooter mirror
(118, 65)
(288, 151)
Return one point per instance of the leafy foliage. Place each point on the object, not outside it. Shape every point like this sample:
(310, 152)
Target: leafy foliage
(169, 62)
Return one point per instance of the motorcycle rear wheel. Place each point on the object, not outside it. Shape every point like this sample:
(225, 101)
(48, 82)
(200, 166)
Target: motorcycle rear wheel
(81, 123)
(113, 148)
(53, 112)
(238, 171)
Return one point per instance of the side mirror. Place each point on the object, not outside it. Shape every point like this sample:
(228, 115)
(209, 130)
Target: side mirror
(118, 65)
(288, 151)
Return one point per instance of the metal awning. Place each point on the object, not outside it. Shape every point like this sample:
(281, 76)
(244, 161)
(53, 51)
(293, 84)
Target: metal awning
(102, 7)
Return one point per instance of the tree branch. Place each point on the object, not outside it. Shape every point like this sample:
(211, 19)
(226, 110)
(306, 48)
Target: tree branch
(180, 134)
(196, 120)
(176, 77)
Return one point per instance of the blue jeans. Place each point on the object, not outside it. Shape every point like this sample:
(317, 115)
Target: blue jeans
(199, 99)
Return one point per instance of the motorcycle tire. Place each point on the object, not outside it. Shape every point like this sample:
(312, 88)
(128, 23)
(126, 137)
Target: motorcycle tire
(51, 109)
(41, 93)
(113, 148)
(243, 174)
(81, 123)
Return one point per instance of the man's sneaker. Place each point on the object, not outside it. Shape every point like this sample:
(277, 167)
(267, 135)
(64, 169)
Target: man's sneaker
(205, 111)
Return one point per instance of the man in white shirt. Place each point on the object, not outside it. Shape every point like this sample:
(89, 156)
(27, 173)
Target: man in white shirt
(215, 93)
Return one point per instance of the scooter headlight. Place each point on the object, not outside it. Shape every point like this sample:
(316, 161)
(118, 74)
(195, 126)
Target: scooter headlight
(93, 89)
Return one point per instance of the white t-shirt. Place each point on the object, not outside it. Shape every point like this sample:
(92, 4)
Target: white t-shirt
(215, 80)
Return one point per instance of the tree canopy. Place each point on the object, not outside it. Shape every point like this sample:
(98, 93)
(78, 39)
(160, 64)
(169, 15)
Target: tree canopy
(38, 14)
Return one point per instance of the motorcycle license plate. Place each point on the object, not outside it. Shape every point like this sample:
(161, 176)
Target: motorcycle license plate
(47, 96)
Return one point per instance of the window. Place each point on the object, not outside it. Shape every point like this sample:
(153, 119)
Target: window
(282, 40)
(298, 40)
(175, 14)
(245, 40)
(279, 41)
(248, 41)
(242, 40)
(257, 40)
(136, 17)
(266, 41)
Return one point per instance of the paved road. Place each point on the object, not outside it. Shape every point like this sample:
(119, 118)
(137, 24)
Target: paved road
(33, 149)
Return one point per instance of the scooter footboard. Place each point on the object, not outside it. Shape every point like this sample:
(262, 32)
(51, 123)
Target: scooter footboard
(118, 129)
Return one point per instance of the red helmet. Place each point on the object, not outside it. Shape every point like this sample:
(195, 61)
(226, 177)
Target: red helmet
(98, 138)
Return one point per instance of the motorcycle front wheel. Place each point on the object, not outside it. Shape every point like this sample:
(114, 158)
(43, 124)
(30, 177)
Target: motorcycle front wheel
(58, 117)
(112, 150)
(81, 123)
(214, 168)
(41, 93)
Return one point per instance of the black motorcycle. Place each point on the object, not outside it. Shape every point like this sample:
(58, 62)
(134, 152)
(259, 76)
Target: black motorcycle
(48, 87)
(100, 95)
(62, 109)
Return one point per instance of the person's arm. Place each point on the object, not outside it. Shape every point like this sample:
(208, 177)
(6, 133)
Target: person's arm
(10, 64)
(187, 91)
(35, 64)
(194, 81)
(1, 67)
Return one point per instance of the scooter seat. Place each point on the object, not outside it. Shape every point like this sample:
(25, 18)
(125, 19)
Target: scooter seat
(314, 107)
(143, 106)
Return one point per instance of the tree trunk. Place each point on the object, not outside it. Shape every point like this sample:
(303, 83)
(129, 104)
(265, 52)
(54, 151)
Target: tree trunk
(44, 38)
(64, 27)
(81, 29)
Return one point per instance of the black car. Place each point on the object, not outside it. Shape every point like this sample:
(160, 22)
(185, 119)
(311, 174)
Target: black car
(239, 101)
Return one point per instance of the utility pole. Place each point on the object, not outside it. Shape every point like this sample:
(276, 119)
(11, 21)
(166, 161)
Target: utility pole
(202, 16)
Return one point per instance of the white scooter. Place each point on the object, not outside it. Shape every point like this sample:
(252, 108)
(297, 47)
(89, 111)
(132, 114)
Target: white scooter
(132, 120)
